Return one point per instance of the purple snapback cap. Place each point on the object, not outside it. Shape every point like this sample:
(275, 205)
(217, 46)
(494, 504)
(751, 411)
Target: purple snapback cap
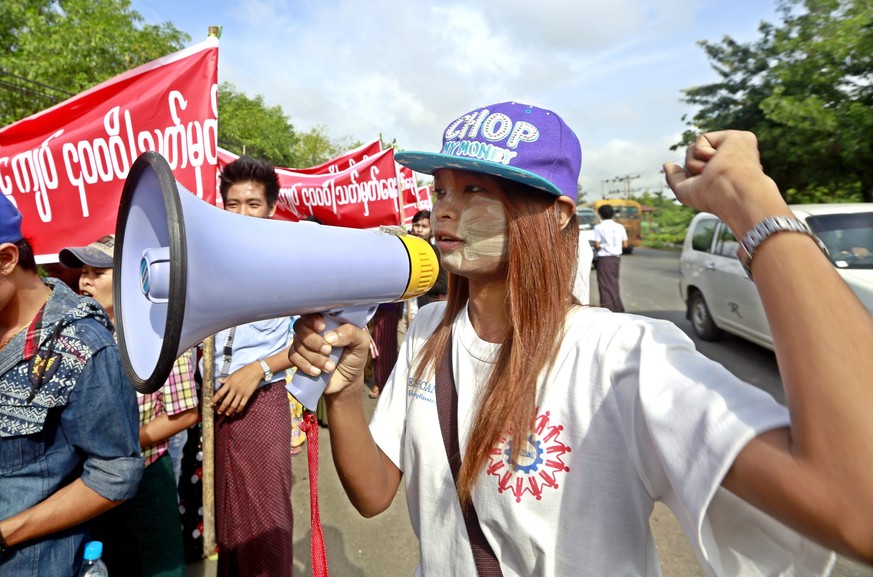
(10, 221)
(515, 141)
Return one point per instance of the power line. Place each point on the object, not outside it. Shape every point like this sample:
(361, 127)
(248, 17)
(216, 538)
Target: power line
(28, 86)
(31, 90)
(626, 181)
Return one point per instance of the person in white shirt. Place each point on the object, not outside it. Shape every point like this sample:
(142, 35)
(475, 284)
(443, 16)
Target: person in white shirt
(610, 240)
(571, 420)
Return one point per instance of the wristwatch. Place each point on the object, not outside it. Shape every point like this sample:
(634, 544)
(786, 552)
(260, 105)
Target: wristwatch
(268, 374)
(767, 228)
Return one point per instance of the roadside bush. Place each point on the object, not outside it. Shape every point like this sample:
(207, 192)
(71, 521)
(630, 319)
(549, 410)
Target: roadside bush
(668, 222)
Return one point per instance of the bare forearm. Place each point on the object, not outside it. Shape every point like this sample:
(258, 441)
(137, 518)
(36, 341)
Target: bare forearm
(279, 362)
(825, 355)
(815, 475)
(369, 478)
(165, 426)
(70, 506)
(823, 337)
(238, 388)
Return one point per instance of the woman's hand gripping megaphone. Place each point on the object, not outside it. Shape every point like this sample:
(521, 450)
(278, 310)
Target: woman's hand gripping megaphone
(330, 351)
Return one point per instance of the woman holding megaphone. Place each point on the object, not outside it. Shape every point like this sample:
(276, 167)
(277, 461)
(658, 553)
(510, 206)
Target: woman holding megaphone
(562, 424)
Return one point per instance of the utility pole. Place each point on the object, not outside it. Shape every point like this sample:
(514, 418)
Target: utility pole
(626, 180)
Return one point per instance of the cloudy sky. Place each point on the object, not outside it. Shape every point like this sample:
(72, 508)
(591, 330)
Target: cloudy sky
(613, 69)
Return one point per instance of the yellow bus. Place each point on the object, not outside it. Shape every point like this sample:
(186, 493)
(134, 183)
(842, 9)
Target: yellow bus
(628, 213)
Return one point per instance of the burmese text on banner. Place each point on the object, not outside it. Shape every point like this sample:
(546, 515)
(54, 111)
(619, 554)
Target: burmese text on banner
(409, 191)
(366, 195)
(64, 167)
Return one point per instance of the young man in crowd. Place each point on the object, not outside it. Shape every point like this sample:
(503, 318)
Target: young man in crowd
(142, 537)
(253, 427)
(69, 442)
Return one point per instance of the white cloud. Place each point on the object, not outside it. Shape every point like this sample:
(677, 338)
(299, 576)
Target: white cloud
(613, 69)
(605, 167)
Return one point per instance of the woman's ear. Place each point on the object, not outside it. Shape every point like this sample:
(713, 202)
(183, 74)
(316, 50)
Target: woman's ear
(8, 257)
(565, 208)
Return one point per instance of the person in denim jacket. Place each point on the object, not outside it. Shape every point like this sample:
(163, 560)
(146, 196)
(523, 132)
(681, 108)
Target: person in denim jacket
(69, 444)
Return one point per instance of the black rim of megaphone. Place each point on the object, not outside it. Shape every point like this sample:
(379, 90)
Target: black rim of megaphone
(178, 270)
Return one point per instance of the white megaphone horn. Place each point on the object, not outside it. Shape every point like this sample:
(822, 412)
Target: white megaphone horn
(185, 270)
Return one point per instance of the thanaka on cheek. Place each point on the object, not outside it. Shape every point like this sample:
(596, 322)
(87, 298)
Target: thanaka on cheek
(483, 227)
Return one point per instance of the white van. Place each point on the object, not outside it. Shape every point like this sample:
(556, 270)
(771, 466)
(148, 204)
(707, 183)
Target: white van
(718, 294)
(587, 218)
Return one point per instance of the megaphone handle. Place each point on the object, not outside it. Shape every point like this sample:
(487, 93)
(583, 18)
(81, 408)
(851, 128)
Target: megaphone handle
(308, 389)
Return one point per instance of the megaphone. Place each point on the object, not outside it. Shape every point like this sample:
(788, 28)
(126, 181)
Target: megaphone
(181, 265)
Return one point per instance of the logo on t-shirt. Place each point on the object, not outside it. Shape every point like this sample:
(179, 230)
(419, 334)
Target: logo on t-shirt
(420, 389)
(540, 461)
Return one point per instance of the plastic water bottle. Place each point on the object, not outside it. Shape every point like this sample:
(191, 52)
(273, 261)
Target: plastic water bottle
(93, 565)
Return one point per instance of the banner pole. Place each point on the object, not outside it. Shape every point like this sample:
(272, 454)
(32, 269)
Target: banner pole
(208, 448)
(400, 197)
(208, 421)
(401, 200)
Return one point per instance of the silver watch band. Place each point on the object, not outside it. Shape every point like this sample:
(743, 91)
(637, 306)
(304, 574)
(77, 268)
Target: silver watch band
(767, 228)
(268, 374)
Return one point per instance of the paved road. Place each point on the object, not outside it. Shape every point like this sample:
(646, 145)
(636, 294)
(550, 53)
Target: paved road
(356, 547)
(385, 545)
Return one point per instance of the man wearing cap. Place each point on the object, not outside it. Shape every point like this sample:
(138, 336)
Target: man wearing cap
(143, 536)
(69, 446)
(96, 262)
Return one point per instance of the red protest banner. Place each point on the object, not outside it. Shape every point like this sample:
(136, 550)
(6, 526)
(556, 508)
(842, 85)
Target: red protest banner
(64, 167)
(408, 193)
(415, 200)
(347, 160)
(363, 196)
(424, 198)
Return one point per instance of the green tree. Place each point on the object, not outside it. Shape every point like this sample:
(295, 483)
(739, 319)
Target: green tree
(53, 49)
(806, 89)
(316, 147)
(248, 126)
(667, 224)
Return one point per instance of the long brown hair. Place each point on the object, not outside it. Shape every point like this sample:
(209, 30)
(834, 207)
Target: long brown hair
(540, 272)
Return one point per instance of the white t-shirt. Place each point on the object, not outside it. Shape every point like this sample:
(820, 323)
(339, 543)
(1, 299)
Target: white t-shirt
(610, 235)
(583, 272)
(624, 419)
